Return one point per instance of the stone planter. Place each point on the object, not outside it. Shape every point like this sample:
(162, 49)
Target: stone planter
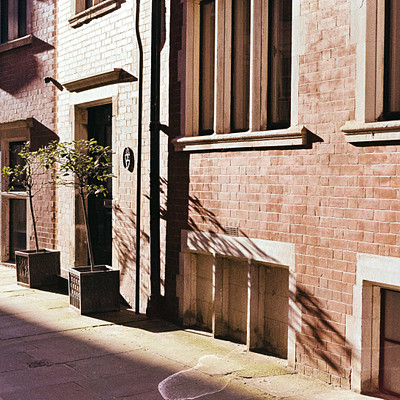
(37, 269)
(94, 291)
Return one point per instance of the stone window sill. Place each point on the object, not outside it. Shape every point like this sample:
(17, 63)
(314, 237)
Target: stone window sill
(293, 136)
(359, 132)
(14, 195)
(13, 44)
(96, 11)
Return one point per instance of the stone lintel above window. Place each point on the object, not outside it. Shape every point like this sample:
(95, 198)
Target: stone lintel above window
(93, 12)
(359, 132)
(116, 75)
(293, 136)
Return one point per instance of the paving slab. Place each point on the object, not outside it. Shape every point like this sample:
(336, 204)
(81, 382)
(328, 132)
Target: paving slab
(69, 390)
(13, 361)
(36, 377)
(48, 352)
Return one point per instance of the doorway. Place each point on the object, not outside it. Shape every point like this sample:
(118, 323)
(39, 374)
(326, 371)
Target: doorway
(17, 226)
(17, 223)
(389, 377)
(100, 208)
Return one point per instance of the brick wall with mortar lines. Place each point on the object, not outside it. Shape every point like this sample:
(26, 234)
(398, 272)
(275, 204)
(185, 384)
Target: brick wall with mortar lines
(24, 94)
(175, 192)
(101, 45)
(332, 200)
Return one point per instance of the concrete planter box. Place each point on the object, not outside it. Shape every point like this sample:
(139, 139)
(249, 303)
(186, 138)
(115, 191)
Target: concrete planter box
(94, 291)
(37, 269)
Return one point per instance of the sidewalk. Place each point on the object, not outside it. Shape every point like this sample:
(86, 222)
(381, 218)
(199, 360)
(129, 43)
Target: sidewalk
(49, 352)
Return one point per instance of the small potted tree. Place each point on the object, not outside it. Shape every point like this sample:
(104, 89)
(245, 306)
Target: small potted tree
(39, 267)
(86, 166)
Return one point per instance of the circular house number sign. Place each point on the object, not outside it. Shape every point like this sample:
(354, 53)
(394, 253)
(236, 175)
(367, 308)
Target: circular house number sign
(128, 159)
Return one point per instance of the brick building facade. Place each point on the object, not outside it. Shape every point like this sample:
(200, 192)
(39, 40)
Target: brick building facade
(278, 168)
(290, 240)
(98, 63)
(27, 112)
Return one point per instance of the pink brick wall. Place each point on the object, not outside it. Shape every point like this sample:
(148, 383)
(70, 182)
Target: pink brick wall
(331, 199)
(24, 94)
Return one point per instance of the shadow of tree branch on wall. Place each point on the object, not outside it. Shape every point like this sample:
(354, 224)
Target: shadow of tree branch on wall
(320, 336)
(124, 238)
(194, 207)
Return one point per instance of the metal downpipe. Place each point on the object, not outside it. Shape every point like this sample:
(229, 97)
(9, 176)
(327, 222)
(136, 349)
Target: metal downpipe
(154, 303)
(139, 157)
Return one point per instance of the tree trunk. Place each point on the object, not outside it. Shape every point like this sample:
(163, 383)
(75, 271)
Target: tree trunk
(89, 240)
(33, 220)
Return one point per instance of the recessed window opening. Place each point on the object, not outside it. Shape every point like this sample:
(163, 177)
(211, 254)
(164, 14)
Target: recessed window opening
(240, 94)
(391, 99)
(207, 66)
(13, 19)
(17, 226)
(279, 76)
(389, 377)
(15, 160)
(100, 208)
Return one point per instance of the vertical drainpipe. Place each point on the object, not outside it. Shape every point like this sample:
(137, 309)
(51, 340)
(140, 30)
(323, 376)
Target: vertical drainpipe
(155, 158)
(139, 158)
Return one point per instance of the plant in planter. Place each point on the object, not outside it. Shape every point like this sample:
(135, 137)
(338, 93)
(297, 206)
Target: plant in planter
(39, 267)
(86, 166)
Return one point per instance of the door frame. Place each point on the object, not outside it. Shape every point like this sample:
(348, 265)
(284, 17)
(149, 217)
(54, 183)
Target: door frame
(79, 120)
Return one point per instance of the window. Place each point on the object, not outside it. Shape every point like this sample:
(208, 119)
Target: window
(17, 225)
(13, 198)
(224, 54)
(16, 159)
(391, 98)
(375, 29)
(239, 76)
(14, 22)
(280, 42)
(390, 343)
(91, 3)
(86, 10)
(207, 65)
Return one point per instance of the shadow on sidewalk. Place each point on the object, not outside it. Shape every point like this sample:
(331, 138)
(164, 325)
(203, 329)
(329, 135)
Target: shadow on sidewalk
(48, 351)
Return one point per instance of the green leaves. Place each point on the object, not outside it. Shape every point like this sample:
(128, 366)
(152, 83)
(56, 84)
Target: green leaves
(25, 174)
(83, 164)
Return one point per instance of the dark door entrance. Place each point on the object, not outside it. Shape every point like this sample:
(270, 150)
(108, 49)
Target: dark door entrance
(390, 342)
(17, 227)
(100, 208)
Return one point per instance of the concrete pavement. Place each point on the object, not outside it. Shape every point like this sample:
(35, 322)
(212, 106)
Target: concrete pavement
(49, 352)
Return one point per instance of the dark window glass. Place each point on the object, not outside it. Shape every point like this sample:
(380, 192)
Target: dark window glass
(4, 21)
(99, 207)
(22, 18)
(13, 19)
(88, 4)
(17, 226)
(392, 61)
(207, 64)
(240, 91)
(389, 376)
(15, 160)
(279, 67)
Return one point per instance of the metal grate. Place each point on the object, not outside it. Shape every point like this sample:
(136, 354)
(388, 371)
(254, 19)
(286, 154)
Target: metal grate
(22, 269)
(74, 295)
(231, 230)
